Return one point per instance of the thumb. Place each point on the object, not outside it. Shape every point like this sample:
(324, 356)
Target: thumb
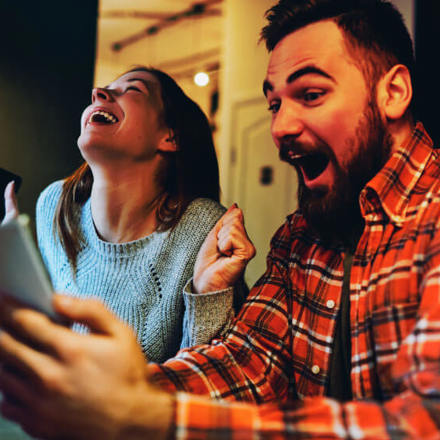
(212, 235)
(90, 312)
(11, 207)
(220, 221)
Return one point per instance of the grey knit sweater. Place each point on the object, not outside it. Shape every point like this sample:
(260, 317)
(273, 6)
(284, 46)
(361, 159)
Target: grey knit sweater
(141, 281)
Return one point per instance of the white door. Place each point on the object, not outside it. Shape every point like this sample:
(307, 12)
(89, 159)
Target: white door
(264, 187)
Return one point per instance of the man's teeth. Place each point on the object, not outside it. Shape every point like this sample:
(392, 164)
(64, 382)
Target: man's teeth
(313, 164)
(102, 116)
(293, 156)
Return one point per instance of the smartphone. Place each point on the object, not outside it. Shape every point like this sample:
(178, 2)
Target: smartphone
(22, 272)
(5, 178)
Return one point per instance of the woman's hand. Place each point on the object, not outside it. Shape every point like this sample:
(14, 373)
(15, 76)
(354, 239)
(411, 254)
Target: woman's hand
(11, 207)
(224, 255)
(60, 384)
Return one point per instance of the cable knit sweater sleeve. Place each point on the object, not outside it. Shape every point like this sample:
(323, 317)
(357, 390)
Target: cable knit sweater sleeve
(206, 315)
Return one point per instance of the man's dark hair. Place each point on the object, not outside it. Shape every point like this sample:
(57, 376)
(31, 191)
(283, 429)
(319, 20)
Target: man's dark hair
(375, 34)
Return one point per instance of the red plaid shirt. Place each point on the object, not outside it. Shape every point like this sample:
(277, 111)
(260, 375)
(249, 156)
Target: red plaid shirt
(277, 354)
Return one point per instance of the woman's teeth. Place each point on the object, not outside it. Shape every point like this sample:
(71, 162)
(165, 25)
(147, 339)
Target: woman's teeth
(103, 117)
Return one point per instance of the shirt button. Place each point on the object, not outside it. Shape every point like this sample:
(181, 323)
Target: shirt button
(330, 304)
(316, 369)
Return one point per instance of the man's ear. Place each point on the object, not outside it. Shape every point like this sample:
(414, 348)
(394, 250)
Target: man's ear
(168, 142)
(394, 92)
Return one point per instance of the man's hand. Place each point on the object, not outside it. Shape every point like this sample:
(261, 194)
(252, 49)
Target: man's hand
(11, 207)
(60, 384)
(224, 255)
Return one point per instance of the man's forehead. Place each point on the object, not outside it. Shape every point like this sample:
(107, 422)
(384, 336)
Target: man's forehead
(314, 44)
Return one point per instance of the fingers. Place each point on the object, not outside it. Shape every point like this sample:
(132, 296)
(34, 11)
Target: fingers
(224, 254)
(19, 357)
(14, 389)
(220, 222)
(90, 312)
(11, 207)
(232, 236)
(30, 326)
(232, 208)
(25, 417)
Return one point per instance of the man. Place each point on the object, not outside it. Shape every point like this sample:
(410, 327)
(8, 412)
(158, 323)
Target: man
(340, 338)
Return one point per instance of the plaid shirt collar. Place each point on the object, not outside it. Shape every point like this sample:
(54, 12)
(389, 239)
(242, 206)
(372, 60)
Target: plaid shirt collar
(389, 191)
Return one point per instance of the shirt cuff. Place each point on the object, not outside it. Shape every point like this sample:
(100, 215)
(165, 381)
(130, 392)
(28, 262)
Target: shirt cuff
(202, 417)
(189, 290)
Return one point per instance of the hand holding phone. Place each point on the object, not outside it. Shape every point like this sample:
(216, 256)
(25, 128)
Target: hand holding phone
(5, 178)
(22, 273)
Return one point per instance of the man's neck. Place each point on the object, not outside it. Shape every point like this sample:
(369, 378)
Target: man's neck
(123, 203)
(400, 132)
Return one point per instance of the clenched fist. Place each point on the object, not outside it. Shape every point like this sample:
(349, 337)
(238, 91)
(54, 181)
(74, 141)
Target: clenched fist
(224, 255)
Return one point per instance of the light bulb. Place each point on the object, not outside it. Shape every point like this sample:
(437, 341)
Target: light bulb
(201, 79)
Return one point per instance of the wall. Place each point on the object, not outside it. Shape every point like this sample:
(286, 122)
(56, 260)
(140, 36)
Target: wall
(244, 64)
(245, 146)
(46, 74)
(172, 49)
(427, 90)
(407, 9)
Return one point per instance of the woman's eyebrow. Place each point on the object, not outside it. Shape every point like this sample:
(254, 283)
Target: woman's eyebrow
(149, 85)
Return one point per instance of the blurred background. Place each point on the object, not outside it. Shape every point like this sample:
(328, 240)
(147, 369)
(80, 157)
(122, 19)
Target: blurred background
(53, 53)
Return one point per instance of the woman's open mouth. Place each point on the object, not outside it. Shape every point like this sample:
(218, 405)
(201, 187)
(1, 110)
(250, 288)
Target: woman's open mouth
(102, 117)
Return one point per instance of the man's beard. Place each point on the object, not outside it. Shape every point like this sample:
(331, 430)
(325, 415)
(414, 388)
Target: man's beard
(335, 214)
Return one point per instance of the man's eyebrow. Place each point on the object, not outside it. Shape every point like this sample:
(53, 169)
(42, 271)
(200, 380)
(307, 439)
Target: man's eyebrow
(307, 71)
(267, 85)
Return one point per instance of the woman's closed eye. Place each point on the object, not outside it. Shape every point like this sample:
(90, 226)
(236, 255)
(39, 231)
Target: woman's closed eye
(132, 88)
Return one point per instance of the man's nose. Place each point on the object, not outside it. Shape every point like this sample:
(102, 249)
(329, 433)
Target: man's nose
(287, 121)
(101, 94)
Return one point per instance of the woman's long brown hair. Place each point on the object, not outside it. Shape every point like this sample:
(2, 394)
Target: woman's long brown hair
(180, 179)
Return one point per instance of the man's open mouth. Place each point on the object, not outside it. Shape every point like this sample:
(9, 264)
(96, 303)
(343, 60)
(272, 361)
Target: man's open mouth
(103, 117)
(311, 164)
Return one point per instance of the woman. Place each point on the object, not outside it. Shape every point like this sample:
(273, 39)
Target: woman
(127, 225)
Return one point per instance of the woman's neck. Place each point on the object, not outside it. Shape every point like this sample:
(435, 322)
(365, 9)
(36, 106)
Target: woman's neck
(124, 204)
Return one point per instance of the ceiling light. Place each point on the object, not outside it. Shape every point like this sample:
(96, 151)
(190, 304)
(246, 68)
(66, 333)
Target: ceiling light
(201, 79)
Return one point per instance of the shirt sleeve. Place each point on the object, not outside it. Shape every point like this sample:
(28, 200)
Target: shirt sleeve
(414, 413)
(249, 363)
(316, 418)
(246, 375)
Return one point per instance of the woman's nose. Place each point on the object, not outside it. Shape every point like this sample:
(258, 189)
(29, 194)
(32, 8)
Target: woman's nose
(101, 94)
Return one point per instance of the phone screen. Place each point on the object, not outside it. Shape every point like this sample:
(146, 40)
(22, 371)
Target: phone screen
(5, 178)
